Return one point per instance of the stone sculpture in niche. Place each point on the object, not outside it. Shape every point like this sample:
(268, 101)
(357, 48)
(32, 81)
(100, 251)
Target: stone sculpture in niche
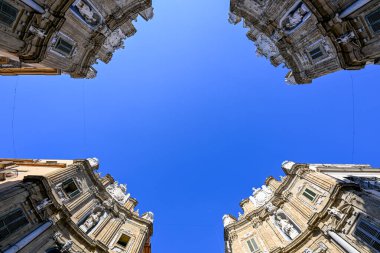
(118, 192)
(86, 12)
(91, 221)
(296, 17)
(285, 225)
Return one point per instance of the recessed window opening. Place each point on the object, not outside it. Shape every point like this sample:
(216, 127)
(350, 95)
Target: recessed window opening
(12, 222)
(373, 19)
(8, 13)
(316, 53)
(70, 188)
(252, 245)
(368, 233)
(64, 47)
(123, 241)
(309, 194)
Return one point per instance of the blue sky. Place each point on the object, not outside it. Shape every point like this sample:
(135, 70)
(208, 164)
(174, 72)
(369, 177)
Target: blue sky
(191, 120)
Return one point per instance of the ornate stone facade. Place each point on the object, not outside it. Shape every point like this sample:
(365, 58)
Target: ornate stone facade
(312, 37)
(51, 37)
(49, 206)
(315, 208)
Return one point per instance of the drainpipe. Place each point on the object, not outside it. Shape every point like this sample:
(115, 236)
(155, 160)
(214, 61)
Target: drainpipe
(30, 237)
(353, 7)
(34, 6)
(342, 243)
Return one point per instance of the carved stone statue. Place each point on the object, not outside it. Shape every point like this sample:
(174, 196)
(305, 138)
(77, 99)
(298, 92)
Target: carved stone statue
(64, 245)
(44, 203)
(296, 17)
(148, 216)
(346, 38)
(286, 226)
(91, 221)
(227, 220)
(118, 192)
(86, 12)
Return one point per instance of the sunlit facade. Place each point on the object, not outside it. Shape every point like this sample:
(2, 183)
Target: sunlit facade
(53, 37)
(315, 208)
(312, 38)
(49, 206)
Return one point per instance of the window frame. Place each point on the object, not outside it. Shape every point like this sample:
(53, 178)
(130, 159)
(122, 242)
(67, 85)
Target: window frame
(73, 194)
(58, 43)
(376, 22)
(308, 194)
(251, 243)
(10, 6)
(374, 237)
(5, 226)
(120, 245)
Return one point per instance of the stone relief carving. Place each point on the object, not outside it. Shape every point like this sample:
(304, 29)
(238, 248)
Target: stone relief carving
(265, 46)
(335, 212)
(115, 40)
(43, 204)
(118, 192)
(59, 191)
(295, 18)
(261, 196)
(270, 208)
(37, 31)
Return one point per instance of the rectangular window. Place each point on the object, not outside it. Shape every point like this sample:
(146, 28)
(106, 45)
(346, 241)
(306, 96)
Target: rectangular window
(123, 241)
(252, 245)
(368, 233)
(70, 188)
(12, 222)
(373, 20)
(316, 53)
(8, 13)
(309, 194)
(64, 47)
